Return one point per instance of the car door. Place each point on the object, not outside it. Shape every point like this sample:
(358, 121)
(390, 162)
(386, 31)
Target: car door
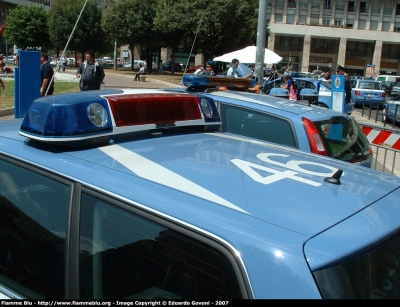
(307, 91)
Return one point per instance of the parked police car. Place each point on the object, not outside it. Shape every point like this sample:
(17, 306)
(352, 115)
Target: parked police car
(282, 121)
(134, 194)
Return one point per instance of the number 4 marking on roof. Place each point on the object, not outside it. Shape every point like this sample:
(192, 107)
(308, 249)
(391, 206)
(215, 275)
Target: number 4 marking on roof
(293, 167)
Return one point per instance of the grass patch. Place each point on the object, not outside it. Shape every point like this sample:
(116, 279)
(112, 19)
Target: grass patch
(7, 95)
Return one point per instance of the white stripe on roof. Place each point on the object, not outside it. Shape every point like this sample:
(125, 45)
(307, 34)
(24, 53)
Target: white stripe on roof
(147, 169)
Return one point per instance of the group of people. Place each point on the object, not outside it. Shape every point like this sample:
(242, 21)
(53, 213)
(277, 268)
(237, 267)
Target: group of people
(90, 73)
(208, 71)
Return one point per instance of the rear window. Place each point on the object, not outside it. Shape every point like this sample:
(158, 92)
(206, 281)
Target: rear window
(370, 85)
(257, 125)
(343, 139)
(374, 274)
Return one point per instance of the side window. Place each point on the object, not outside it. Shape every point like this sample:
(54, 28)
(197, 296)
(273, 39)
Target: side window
(126, 256)
(310, 85)
(257, 125)
(33, 227)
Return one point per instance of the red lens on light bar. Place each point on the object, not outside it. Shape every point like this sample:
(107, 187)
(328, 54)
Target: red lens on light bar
(142, 109)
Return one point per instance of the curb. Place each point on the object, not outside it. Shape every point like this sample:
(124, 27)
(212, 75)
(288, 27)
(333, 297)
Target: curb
(7, 112)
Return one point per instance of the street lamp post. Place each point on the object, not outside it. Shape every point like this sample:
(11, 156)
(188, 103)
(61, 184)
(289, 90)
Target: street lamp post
(261, 39)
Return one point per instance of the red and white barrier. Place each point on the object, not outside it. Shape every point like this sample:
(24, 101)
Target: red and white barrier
(382, 137)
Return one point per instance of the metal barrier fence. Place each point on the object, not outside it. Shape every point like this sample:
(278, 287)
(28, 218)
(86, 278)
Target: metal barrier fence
(385, 160)
(385, 157)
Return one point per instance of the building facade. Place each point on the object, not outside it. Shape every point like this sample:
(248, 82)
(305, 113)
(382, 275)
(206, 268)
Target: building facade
(363, 35)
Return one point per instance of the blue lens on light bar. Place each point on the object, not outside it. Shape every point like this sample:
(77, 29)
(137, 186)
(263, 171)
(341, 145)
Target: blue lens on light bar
(68, 116)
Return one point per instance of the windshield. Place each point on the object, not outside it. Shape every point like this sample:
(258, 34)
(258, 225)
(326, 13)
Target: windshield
(374, 274)
(343, 139)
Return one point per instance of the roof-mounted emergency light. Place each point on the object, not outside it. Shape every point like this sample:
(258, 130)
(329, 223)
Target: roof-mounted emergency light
(80, 117)
(203, 82)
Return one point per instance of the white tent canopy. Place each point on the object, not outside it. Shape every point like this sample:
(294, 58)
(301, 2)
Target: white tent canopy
(248, 55)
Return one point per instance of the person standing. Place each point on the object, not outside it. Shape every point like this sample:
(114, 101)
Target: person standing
(232, 70)
(340, 70)
(274, 75)
(291, 87)
(64, 62)
(140, 72)
(46, 75)
(90, 73)
(200, 70)
(210, 69)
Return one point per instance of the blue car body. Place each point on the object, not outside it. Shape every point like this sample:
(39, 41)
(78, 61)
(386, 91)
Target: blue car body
(282, 121)
(316, 92)
(367, 93)
(391, 110)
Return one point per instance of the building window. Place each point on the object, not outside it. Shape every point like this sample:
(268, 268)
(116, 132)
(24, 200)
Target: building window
(315, 5)
(327, 4)
(291, 3)
(363, 7)
(338, 22)
(278, 18)
(398, 9)
(351, 7)
(327, 22)
(304, 5)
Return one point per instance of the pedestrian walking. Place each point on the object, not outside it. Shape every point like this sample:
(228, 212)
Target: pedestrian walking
(64, 62)
(46, 75)
(90, 73)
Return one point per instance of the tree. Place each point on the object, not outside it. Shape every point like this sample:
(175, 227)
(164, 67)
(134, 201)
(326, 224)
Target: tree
(219, 26)
(87, 34)
(130, 22)
(26, 27)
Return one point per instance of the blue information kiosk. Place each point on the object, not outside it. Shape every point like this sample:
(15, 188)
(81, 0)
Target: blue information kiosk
(338, 97)
(26, 81)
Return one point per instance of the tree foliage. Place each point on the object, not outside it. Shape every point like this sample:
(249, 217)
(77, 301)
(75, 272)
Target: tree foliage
(88, 33)
(219, 26)
(26, 27)
(130, 22)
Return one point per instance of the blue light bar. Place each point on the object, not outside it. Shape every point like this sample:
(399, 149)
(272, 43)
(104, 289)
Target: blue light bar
(202, 82)
(92, 118)
(68, 116)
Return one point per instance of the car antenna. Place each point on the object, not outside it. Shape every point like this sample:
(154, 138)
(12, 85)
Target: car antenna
(66, 45)
(187, 63)
(335, 179)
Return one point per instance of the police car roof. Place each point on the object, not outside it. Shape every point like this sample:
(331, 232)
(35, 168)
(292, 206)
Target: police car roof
(191, 176)
(280, 106)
